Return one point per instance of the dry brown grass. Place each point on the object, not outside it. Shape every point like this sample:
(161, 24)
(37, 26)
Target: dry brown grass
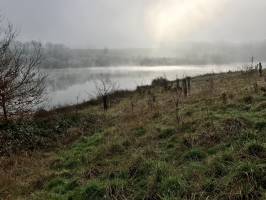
(24, 173)
(20, 174)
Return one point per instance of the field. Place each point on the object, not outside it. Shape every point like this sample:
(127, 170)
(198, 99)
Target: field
(212, 146)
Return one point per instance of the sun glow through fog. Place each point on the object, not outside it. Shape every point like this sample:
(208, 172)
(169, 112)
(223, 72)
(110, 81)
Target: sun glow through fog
(175, 19)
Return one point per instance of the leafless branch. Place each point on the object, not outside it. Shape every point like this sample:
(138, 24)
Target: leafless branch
(104, 86)
(22, 85)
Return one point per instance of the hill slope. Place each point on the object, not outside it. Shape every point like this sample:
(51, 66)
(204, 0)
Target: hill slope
(213, 148)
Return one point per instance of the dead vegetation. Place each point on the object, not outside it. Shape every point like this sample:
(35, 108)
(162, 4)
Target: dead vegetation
(156, 143)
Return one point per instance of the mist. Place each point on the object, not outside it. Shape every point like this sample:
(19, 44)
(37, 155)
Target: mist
(133, 99)
(136, 41)
(136, 24)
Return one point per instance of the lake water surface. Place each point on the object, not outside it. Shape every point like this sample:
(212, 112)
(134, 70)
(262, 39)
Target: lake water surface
(75, 85)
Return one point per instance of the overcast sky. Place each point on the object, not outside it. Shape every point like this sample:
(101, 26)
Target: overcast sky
(136, 23)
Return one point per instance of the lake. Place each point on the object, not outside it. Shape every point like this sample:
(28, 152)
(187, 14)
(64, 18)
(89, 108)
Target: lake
(75, 85)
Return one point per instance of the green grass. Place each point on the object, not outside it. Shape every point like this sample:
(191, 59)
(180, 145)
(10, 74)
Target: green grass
(221, 160)
(231, 165)
(216, 151)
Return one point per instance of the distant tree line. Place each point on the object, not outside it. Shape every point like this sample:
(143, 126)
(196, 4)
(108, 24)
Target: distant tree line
(60, 56)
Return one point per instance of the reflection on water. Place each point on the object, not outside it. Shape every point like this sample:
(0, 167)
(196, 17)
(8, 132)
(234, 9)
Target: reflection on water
(69, 86)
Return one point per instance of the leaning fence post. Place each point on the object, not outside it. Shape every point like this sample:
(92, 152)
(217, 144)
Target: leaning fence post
(260, 69)
(177, 83)
(188, 84)
(184, 86)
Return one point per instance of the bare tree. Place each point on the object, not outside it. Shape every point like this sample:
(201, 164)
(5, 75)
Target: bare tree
(104, 86)
(22, 85)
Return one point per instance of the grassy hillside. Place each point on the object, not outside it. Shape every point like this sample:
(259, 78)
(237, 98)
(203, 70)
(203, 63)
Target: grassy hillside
(139, 150)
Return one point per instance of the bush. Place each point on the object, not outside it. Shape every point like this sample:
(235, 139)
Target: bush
(36, 134)
(160, 81)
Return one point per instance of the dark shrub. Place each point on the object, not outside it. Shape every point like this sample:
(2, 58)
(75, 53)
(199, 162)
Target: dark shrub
(41, 113)
(160, 81)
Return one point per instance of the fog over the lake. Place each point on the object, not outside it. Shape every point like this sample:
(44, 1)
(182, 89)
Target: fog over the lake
(135, 41)
(136, 23)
